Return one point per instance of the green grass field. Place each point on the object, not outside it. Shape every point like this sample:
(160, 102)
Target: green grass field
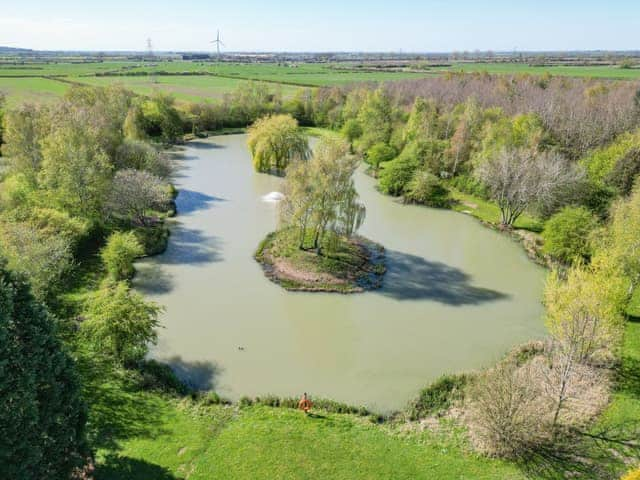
(186, 88)
(36, 90)
(613, 72)
(150, 436)
(28, 82)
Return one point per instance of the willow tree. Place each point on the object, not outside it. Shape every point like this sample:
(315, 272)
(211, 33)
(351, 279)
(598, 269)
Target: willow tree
(274, 141)
(320, 197)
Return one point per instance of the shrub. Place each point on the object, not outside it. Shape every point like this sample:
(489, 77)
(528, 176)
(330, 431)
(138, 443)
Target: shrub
(135, 193)
(438, 396)
(425, 188)
(51, 222)
(41, 259)
(471, 185)
(142, 156)
(379, 153)
(566, 234)
(397, 173)
(119, 253)
(159, 376)
(154, 239)
(120, 324)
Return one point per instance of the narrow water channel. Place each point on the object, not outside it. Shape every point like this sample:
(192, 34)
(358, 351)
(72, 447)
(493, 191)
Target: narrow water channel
(456, 295)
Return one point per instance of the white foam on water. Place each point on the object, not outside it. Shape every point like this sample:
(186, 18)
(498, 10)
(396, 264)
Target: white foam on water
(272, 197)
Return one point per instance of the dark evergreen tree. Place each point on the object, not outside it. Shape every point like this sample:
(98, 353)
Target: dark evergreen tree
(42, 415)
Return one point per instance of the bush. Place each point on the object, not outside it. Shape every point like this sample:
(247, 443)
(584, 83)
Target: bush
(425, 188)
(142, 156)
(379, 153)
(566, 234)
(119, 253)
(120, 324)
(160, 377)
(471, 185)
(154, 239)
(438, 396)
(397, 173)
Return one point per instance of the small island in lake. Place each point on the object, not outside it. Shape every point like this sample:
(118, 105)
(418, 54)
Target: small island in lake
(352, 265)
(316, 248)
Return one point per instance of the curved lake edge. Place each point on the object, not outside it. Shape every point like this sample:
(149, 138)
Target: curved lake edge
(294, 273)
(176, 223)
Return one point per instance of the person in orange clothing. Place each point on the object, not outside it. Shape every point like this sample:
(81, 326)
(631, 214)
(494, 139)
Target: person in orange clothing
(305, 403)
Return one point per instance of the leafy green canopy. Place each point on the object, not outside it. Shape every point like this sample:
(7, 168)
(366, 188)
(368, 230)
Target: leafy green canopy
(42, 417)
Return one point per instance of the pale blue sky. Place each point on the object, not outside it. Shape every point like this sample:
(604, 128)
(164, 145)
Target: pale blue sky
(373, 25)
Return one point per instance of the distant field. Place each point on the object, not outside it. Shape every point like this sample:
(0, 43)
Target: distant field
(28, 82)
(613, 72)
(38, 90)
(18, 83)
(187, 88)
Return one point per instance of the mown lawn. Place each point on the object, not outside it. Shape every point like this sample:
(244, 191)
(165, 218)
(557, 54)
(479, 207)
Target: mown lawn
(489, 212)
(150, 436)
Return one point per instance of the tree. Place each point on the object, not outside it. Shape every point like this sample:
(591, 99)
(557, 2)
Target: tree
(41, 259)
(379, 153)
(319, 195)
(119, 253)
(519, 178)
(121, 324)
(585, 311)
(160, 118)
(397, 173)
(375, 118)
(23, 131)
(274, 141)
(351, 130)
(625, 172)
(566, 234)
(42, 419)
(134, 193)
(76, 171)
(621, 244)
(423, 122)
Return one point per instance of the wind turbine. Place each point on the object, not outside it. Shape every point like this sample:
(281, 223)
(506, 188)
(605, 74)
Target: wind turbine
(218, 42)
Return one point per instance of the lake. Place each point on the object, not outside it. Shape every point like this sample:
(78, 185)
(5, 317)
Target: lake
(456, 295)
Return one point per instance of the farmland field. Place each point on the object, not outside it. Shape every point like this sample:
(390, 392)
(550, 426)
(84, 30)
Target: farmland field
(38, 90)
(195, 81)
(187, 88)
(604, 71)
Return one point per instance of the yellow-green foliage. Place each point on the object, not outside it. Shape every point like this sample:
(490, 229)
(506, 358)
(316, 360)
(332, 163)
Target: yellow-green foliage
(521, 131)
(621, 242)
(119, 253)
(600, 162)
(274, 141)
(632, 475)
(585, 311)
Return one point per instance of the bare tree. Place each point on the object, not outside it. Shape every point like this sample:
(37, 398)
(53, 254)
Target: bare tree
(519, 178)
(134, 193)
